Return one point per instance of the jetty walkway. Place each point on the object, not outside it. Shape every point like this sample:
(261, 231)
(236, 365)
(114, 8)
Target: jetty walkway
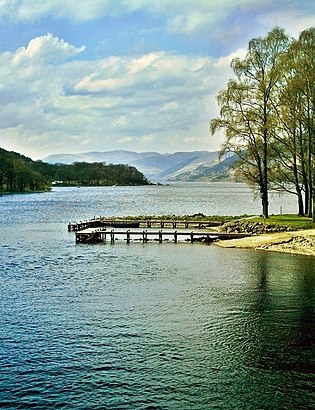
(140, 223)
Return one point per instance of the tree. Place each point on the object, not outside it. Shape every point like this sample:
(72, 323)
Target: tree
(288, 145)
(304, 65)
(246, 108)
(293, 145)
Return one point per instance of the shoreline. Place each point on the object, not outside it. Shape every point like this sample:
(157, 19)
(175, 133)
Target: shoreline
(300, 242)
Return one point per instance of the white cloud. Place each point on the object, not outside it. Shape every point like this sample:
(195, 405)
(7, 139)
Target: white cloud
(225, 61)
(53, 100)
(125, 140)
(30, 10)
(170, 106)
(121, 121)
(181, 16)
(189, 23)
(48, 48)
(169, 74)
(295, 21)
(147, 139)
(155, 100)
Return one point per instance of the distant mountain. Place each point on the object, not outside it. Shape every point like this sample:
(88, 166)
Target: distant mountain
(220, 171)
(179, 166)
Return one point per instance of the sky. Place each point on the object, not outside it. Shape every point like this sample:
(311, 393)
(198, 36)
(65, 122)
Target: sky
(139, 75)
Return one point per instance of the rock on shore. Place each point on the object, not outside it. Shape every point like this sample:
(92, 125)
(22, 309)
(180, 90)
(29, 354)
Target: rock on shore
(253, 227)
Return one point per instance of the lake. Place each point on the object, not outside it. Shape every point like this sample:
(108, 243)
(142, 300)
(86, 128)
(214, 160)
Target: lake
(149, 326)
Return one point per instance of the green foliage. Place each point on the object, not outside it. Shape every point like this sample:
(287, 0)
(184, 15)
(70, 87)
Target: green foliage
(267, 113)
(98, 174)
(292, 221)
(295, 222)
(18, 174)
(195, 217)
(21, 174)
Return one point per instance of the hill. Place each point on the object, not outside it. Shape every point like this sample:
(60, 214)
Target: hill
(179, 166)
(220, 171)
(21, 174)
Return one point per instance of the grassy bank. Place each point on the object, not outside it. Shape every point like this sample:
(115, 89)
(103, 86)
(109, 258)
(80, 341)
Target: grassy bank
(293, 221)
(194, 217)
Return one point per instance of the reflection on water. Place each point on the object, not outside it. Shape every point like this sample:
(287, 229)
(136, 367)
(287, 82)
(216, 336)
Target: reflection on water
(149, 326)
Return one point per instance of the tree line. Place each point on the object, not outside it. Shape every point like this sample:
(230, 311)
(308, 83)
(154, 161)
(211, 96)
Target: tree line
(267, 115)
(21, 174)
(98, 174)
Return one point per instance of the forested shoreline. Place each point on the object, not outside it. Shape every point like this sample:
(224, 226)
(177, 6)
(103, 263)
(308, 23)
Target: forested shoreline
(19, 173)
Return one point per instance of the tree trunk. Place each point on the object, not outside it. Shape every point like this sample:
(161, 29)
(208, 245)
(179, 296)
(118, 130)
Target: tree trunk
(296, 176)
(300, 203)
(265, 204)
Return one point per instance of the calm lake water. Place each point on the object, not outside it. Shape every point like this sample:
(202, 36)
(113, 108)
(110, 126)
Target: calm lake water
(154, 326)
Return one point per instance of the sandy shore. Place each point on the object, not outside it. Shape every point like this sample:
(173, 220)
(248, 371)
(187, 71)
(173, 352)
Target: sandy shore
(296, 242)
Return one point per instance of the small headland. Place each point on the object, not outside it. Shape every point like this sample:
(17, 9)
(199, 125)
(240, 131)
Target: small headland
(280, 233)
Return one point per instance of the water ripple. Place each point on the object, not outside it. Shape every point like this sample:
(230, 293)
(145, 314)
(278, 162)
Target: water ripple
(147, 327)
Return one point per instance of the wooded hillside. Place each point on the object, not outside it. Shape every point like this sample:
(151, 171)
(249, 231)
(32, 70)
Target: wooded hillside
(19, 173)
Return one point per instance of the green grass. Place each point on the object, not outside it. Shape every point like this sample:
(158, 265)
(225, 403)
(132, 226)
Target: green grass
(196, 217)
(295, 221)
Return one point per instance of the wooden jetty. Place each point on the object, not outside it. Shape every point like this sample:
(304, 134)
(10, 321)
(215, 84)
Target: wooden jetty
(89, 236)
(140, 223)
